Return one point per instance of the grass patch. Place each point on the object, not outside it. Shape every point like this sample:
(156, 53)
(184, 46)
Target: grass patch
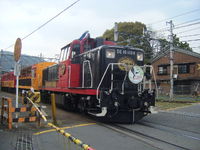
(180, 98)
(169, 105)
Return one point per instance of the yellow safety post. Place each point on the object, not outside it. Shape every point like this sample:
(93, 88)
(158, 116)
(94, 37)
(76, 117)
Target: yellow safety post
(53, 107)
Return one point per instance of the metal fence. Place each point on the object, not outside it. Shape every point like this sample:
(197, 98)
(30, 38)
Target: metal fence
(181, 92)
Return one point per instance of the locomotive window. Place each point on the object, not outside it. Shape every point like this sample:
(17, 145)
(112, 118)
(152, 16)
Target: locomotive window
(64, 55)
(75, 50)
(67, 53)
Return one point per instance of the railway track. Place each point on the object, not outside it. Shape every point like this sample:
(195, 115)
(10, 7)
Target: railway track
(156, 142)
(175, 131)
(171, 129)
(183, 114)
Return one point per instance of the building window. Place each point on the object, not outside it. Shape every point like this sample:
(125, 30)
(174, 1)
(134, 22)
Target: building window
(162, 70)
(183, 68)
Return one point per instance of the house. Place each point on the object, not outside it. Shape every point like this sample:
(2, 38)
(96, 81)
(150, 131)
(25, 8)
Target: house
(186, 72)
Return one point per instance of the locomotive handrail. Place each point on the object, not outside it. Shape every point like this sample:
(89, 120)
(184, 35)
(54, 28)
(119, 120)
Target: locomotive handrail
(111, 88)
(83, 81)
(69, 78)
(97, 95)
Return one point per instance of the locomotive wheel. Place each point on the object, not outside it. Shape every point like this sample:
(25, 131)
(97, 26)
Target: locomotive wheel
(70, 103)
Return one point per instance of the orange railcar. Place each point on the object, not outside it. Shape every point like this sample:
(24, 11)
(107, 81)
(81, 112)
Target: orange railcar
(31, 77)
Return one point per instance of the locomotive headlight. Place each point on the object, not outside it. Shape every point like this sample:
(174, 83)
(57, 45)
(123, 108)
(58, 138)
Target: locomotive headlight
(110, 53)
(140, 56)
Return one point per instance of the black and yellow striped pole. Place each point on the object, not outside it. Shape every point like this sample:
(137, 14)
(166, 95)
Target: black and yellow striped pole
(68, 135)
(73, 139)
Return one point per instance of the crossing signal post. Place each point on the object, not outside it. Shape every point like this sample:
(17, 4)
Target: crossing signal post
(17, 55)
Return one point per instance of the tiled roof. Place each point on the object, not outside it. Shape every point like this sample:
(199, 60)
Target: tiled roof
(187, 52)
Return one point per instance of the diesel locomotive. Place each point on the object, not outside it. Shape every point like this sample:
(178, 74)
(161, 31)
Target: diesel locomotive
(100, 78)
(94, 76)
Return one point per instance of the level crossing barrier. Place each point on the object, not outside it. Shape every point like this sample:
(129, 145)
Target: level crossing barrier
(8, 112)
(8, 109)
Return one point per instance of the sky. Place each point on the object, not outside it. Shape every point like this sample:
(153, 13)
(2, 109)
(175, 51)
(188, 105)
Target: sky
(18, 18)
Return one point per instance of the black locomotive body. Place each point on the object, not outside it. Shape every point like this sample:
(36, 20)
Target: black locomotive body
(118, 99)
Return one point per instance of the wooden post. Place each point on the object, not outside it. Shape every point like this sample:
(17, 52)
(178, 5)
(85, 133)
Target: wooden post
(53, 107)
(2, 110)
(9, 113)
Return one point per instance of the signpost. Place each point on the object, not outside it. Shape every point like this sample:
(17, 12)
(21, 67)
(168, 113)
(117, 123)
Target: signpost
(17, 55)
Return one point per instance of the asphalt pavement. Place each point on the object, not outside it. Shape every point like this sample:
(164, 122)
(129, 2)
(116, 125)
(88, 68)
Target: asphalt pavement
(179, 127)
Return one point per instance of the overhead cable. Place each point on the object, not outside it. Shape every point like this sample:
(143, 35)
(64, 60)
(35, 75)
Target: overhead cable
(189, 35)
(187, 25)
(38, 28)
(185, 13)
(187, 30)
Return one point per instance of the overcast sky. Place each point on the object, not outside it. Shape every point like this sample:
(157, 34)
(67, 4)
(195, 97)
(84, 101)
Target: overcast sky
(18, 18)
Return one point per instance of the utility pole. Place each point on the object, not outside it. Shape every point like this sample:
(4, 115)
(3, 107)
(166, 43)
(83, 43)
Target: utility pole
(171, 61)
(1, 67)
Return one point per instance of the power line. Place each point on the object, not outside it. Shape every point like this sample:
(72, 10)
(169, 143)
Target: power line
(188, 21)
(191, 40)
(38, 28)
(187, 30)
(189, 35)
(166, 29)
(189, 12)
(187, 25)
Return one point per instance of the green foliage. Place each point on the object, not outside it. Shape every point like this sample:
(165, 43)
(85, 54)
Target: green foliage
(131, 33)
(164, 44)
(179, 44)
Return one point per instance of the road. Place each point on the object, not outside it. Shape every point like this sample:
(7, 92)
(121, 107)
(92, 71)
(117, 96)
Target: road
(175, 129)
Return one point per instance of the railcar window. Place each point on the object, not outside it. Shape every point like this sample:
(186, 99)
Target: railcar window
(34, 73)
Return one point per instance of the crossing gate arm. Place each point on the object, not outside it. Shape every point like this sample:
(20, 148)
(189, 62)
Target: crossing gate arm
(40, 112)
(68, 135)
(73, 139)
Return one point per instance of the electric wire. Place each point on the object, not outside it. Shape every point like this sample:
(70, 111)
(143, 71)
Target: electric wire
(188, 30)
(191, 40)
(188, 21)
(178, 25)
(182, 14)
(41, 26)
(189, 35)
(187, 25)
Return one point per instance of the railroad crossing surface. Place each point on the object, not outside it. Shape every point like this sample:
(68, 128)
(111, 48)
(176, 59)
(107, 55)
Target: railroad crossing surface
(174, 129)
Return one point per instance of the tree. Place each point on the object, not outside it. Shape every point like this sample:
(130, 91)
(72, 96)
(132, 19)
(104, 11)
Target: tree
(179, 44)
(164, 44)
(131, 33)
